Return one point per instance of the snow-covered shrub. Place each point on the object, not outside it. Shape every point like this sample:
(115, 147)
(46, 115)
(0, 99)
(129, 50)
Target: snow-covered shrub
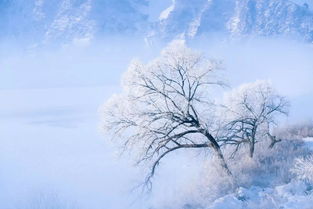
(299, 130)
(268, 168)
(288, 196)
(211, 183)
(215, 181)
(303, 168)
(303, 129)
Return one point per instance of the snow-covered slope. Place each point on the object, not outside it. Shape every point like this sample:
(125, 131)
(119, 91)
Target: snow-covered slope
(67, 20)
(50, 20)
(289, 196)
(238, 18)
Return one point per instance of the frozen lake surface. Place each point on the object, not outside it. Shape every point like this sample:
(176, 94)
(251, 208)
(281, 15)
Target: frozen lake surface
(50, 143)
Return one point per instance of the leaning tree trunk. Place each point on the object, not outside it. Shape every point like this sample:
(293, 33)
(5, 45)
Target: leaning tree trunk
(216, 147)
(220, 156)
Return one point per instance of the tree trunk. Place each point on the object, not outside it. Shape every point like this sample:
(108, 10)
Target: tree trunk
(216, 147)
(252, 141)
(251, 149)
(220, 156)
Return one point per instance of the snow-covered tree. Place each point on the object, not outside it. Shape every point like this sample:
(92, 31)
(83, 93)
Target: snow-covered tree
(303, 168)
(166, 106)
(250, 110)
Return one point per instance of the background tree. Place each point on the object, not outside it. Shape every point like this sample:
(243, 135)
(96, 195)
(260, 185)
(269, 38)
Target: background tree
(250, 111)
(166, 105)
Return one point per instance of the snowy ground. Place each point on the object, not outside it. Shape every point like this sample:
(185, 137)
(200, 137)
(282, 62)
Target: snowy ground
(50, 144)
(295, 195)
(309, 142)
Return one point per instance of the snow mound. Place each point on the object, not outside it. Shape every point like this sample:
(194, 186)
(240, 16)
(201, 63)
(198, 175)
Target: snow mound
(309, 142)
(295, 194)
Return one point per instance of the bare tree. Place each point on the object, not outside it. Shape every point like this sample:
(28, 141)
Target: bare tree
(166, 106)
(250, 111)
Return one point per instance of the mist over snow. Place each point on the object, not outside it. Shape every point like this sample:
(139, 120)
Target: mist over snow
(285, 62)
(52, 148)
(61, 60)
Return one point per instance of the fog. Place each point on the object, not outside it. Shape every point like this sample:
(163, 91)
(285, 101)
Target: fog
(50, 144)
(286, 63)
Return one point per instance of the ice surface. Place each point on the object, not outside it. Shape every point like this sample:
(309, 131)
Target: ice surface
(50, 143)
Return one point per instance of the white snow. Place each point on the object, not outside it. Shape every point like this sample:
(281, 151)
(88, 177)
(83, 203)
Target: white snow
(309, 142)
(295, 195)
(50, 143)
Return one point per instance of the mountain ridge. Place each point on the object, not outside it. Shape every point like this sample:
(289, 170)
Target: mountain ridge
(68, 20)
(238, 18)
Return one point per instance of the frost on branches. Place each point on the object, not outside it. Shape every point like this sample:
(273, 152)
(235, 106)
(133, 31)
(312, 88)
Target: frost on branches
(303, 168)
(250, 111)
(166, 105)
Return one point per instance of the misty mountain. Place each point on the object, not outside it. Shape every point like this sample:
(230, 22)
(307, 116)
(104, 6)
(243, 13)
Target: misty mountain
(67, 20)
(237, 18)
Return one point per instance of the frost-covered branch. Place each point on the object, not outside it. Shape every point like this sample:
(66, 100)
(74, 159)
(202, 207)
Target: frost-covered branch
(165, 106)
(250, 111)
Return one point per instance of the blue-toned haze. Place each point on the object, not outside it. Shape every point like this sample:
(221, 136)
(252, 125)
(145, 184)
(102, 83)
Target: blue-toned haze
(61, 59)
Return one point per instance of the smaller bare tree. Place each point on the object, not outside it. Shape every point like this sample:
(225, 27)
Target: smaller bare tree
(250, 111)
(166, 106)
